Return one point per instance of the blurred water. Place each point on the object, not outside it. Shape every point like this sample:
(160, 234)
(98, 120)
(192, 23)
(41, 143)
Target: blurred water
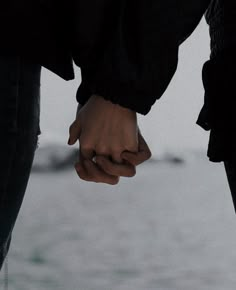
(168, 228)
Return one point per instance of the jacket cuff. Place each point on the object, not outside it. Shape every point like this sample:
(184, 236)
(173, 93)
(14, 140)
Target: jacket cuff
(121, 94)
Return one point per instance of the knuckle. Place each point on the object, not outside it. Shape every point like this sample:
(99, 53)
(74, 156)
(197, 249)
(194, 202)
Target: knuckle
(132, 148)
(102, 150)
(116, 149)
(85, 145)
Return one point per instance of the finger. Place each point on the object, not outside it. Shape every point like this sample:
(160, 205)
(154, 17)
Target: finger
(74, 132)
(81, 170)
(113, 155)
(132, 158)
(136, 158)
(143, 146)
(92, 172)
(80, 165)
(98, 175)
(124, 169)
(143, 154)
(86, 153)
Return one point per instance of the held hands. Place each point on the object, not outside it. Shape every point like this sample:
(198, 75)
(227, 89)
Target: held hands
(109, 134)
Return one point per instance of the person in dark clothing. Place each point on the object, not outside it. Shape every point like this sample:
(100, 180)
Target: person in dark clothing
(22, 54)
(218, 112)
(141, 59)
(19, 122)
(128, 53)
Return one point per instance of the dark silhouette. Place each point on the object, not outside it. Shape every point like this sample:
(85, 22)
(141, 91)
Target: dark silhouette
(128, 53)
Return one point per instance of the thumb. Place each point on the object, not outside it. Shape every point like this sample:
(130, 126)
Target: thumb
(74, 132)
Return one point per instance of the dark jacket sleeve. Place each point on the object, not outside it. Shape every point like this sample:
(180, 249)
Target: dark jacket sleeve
(128, 49)
(218, 74)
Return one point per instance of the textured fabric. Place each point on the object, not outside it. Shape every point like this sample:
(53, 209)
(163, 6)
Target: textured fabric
(138, 56)
(19, 124)
(127, 49)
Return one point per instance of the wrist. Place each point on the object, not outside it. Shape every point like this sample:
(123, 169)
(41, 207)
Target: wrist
(111, 105)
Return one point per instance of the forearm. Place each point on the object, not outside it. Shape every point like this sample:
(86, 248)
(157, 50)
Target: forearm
(138, 57)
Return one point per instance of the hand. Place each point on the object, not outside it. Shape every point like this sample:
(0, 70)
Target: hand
(106, 171)
(104, 128)
(131, 160)
(143, 154)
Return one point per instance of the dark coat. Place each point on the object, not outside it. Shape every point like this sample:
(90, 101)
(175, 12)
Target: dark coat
(38, 30)
(127, 50)
(219, 111)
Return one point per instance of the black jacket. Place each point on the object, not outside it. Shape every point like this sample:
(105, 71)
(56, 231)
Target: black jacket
(127, 50)
(219, 111)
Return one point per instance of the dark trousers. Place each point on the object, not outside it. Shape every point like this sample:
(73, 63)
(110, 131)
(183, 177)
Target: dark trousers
(19, 126)
(230, 168)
